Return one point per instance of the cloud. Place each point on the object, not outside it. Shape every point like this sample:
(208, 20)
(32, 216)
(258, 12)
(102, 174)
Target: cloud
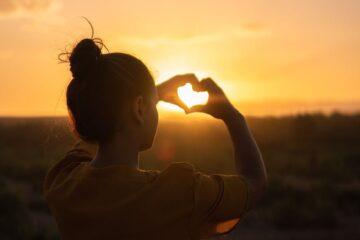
(14, 8)
(246, 30)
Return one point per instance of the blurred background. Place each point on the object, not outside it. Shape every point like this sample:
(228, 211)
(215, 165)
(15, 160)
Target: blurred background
(291, 67)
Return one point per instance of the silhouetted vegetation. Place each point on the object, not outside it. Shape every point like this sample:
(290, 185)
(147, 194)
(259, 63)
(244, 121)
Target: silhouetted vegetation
(313, 163)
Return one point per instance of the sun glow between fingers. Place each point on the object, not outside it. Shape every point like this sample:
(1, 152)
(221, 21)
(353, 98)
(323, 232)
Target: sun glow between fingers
(191, 97)
(186, 94)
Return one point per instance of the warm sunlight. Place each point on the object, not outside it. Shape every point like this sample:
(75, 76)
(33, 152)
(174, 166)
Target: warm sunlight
(190, 97)
(266, 66)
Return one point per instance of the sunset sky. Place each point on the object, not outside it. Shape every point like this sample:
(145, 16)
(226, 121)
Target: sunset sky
(270, 57)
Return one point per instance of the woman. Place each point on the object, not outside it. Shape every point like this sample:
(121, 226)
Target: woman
(102, 194)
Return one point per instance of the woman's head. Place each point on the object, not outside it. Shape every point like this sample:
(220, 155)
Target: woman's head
(110, 93)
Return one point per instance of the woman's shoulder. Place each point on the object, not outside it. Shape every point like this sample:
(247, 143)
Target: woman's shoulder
(78, 154)
(179, 170)
(180, 166)
(176, 172)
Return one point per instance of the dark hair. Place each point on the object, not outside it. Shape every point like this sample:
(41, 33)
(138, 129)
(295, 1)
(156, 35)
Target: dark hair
(101, 87)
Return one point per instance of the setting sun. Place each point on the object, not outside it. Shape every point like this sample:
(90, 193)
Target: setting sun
(190, 97)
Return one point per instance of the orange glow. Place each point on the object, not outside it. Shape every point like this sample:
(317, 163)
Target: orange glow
(226, 225)
(185, 92)
(269, 62)
(168, 107)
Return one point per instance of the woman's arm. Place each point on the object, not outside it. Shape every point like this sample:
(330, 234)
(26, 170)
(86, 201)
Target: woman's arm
(248, 160)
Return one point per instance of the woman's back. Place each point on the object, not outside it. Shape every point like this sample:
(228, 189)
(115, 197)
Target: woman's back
(121, 202)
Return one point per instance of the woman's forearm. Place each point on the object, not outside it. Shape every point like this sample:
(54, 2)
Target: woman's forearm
(248, 159)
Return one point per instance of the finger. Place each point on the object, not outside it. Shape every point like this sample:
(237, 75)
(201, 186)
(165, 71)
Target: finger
(193, 80)
(208, 84)
(197, 108)
(187, 78)
(201, 86)
(181, 104)
(198, 87)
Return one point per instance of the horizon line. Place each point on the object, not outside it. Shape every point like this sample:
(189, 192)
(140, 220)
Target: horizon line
(179, 114)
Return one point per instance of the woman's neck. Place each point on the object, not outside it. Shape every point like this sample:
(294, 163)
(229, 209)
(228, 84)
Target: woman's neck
(120, 150)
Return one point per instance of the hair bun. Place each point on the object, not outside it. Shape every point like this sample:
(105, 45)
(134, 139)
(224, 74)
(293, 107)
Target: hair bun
(84, 58)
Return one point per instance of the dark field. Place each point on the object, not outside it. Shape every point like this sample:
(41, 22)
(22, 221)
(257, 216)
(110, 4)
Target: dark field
(313, 163)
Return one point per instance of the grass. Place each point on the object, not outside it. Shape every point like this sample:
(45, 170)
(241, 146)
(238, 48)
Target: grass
(313, 163)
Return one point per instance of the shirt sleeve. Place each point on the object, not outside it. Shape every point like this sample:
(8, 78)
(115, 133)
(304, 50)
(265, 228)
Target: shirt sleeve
(219, 203)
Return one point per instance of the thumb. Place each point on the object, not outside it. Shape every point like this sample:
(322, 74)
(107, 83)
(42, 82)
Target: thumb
(196, 108)
(181, 104)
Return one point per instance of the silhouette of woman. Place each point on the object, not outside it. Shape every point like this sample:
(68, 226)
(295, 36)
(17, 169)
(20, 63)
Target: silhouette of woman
(100, 192)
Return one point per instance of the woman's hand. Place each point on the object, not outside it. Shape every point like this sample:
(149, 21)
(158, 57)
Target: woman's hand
(218, 104)
(167, 91)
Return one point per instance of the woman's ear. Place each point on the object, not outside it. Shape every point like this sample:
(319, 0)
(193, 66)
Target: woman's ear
(139, 109)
